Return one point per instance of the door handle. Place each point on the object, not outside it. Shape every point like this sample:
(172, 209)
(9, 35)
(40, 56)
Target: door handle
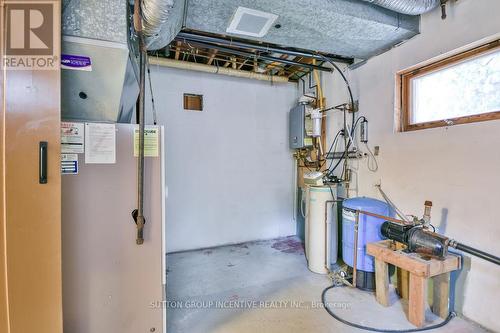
(42, 162)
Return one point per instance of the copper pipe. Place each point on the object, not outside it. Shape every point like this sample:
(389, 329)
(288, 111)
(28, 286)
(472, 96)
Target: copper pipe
(387, 218)
(355, 259)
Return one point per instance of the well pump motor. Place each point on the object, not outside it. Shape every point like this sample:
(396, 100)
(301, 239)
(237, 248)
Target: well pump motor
(417, 239)
(420, 240)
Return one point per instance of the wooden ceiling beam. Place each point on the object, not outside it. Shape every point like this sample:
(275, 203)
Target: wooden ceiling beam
(212, 56)
(243, 64)
(275, 64)
(177, 50)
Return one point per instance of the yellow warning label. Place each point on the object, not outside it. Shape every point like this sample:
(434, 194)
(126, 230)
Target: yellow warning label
(150, 141)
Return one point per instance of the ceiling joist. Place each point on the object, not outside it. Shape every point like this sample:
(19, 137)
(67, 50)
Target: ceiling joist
(251, 59)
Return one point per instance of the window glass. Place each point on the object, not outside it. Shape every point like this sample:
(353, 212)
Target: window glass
(468, 88)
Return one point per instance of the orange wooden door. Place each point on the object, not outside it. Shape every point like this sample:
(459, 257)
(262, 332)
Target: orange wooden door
(30, 222)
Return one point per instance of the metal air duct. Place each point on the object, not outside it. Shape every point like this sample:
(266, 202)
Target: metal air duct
(99, 81)
(409, 7)
(154, 14)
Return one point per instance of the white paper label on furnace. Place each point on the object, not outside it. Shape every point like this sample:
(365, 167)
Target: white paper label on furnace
(72, 138)
(100, 143)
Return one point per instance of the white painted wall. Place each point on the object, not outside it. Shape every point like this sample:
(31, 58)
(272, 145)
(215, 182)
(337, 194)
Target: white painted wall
(229, 170)
(457, 167)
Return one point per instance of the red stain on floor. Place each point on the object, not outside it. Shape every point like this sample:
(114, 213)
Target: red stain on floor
(289, 245)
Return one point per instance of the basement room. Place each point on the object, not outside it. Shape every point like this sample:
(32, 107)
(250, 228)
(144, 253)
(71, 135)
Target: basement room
(224, 166)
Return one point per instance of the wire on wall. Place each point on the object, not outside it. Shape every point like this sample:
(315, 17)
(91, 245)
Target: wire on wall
(151, 90)
(371, 162)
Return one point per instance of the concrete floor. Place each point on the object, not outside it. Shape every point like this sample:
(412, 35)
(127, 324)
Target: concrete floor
(265, 286)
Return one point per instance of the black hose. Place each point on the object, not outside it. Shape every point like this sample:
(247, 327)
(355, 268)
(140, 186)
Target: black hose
(353, 113)
(330, 150)
(478, 253)
(331, 313)
(343, 77)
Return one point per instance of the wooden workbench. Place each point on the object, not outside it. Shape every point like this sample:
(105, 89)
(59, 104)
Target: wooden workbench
(420, 269)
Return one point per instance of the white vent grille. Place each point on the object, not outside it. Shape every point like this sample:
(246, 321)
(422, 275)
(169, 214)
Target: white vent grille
(251, 22)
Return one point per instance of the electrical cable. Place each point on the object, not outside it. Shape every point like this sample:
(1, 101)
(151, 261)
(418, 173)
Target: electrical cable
(371, 157)
(344, 78)
(302, 201)
(302, 206)
(331, 192)
(334, 151)
(350, 137)
(373, 329)
(330, 149)
(352, 104)
(346, 148)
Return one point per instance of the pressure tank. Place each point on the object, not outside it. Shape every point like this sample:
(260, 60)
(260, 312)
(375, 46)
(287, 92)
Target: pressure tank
(318, 225)
(368, 232)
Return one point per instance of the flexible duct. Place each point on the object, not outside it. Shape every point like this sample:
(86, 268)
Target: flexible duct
(154, 15)
(410, 7)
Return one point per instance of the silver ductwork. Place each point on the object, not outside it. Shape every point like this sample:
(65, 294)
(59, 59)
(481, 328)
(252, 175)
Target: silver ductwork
(349, 28)
(409, 7)
(107, 88)
(154, 14)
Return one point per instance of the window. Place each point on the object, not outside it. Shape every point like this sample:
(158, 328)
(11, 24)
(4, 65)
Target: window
(460, 89)
(193, 102)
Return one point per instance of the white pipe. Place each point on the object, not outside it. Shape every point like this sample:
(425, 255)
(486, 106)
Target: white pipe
(164, 62)
(295, 189)
(328, 233)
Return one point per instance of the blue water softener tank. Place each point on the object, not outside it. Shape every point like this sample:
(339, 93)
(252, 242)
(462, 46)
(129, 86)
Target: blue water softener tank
(368, 232)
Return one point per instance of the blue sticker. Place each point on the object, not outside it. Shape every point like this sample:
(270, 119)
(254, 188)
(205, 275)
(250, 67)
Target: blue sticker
(75, 62)
(69, 164)
(69, 167)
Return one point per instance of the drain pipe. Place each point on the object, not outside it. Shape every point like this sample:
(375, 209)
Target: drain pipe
(140, 220)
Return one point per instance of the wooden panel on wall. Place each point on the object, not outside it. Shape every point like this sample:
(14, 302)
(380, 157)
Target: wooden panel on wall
(4, 314)
(30, 236)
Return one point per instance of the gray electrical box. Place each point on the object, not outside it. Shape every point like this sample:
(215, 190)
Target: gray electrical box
(297, 127)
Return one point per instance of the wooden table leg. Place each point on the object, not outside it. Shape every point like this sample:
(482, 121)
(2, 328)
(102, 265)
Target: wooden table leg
(441, 291)
(382, 282)
(416, 301)
(403, 281)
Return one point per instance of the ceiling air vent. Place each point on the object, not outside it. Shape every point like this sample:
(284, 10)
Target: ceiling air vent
(251, 22)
